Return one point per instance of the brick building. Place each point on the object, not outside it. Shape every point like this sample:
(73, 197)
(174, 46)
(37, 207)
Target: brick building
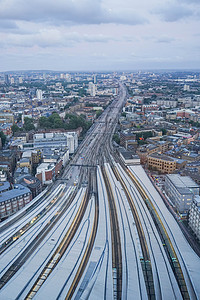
(162, 163)
(13, 200)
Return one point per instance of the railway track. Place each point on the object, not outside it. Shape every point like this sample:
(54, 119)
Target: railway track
(85, 173)
(59, 252)
(90, 244)
(20, 261)
(170, 251)
(21, 214)
(92, 159)
(116, 241)
(146, 260)
(151, 231)
(37, 216)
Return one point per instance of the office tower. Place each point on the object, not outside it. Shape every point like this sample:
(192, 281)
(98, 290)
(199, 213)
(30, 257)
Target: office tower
(20, 80)
(12, 80)
(6, 78)
(92, 89)
(39, 94)
(68, 77)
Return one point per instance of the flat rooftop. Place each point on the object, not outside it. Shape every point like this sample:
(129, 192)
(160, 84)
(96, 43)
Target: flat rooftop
(18, 190)
(163, 157)
(182, 183)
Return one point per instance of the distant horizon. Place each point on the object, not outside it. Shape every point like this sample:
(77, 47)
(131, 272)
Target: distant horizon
(106, 71)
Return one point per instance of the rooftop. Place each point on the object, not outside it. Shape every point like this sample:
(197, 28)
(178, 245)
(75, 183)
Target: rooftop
(18, 190)
(5, 185)
(161, 156)
(182, 181)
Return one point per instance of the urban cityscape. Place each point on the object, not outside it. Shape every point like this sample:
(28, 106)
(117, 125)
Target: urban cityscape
(99, 185)
(100, 150)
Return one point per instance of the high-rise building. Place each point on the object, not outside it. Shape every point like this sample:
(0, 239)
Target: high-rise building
(20, 80)
(12, 80)
(186, 87)
(92, 89)
(39, 94)
(6, 78)
(68, 77)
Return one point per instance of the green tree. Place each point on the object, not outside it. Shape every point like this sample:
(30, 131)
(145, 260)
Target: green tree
(3, 138)
(164, 131)
(56, 120)
(147, 100)
(83, 116)
(73, 122)
(143, 135)
(53, 121)
(28, 124)
(15, 128)
(44, 123)
(116, 138)
(98, 113)
(82, 92)
(141, 142)
(19, 117)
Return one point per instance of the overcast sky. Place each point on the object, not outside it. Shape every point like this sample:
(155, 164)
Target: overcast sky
(99, 34)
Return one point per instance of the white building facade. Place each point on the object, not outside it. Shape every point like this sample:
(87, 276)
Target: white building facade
(194, 216)
(58, 140)
(181, 190)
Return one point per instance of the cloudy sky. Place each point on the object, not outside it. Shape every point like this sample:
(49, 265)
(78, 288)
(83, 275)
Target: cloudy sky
(99, 34)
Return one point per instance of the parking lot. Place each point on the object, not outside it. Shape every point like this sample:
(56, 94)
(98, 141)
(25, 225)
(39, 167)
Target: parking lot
(159, 180)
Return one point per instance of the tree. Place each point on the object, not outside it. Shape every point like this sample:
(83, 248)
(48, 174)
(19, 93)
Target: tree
(15, 128)
(28, 124)
(44, 123)
(82, 92)
(73, 122)
(164, 131)
(141, 136)
(53, 121)
(116, 138)
(141, 142)
(98, 113)
(153, 97)
(3, 138)
(83, 116)
(19, 117)
(147, 100)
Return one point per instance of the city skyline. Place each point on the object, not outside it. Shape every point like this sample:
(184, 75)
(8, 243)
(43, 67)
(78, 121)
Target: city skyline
(99, 35)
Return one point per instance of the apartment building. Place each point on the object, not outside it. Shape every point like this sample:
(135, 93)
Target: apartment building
(181, 190)
(194, 216)
(13, 200)
(46, 173)
(6, 117)
(127, 138)
(58, 140)
(162, 163)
